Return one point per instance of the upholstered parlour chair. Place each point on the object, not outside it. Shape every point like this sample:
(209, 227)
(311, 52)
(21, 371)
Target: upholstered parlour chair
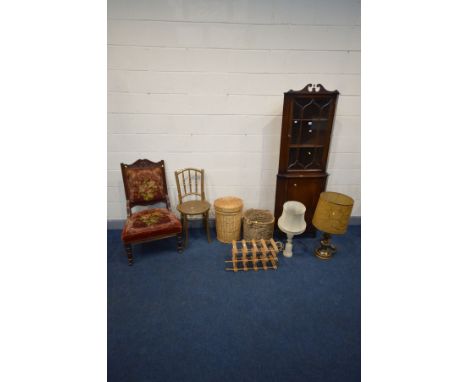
(145, 185)
(191, 183)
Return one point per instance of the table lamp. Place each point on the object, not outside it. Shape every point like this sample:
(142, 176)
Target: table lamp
(292, 222)
(331, 217)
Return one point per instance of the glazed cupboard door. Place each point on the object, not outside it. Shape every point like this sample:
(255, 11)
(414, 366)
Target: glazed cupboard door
(309, 132)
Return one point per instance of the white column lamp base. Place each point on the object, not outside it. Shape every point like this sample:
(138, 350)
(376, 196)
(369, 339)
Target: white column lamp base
(288, 249)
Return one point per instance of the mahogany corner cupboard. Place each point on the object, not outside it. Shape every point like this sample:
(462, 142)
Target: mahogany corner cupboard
(308, 116)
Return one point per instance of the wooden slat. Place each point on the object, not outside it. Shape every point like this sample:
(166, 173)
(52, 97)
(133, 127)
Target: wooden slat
(264, 250)
(273, 259)
(244, 255)
(234, 247)
(183, 179)
(190, 180)
(244, 245)
(202, 181)
(264, 246)
(273, 244)
(178, 186)
(254, 255)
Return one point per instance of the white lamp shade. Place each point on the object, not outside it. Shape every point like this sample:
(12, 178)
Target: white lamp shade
(292, 220)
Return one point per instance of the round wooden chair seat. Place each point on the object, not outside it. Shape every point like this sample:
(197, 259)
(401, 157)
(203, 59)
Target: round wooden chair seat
(194, 207)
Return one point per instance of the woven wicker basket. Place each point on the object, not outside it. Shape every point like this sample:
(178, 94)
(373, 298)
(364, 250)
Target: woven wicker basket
(228, 218)
(258, 224)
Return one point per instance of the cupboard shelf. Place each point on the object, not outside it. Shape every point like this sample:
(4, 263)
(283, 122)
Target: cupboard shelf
(304, 146)
(310, 119)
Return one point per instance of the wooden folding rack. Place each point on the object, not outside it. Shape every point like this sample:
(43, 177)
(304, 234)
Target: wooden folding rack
(254, 255)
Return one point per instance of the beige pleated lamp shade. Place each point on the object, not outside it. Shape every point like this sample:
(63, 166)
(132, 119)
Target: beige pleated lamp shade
(333, 212)
(292, 218)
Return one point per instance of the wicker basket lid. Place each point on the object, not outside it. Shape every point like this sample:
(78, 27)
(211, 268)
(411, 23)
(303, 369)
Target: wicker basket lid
(228, 204)
(258, 216)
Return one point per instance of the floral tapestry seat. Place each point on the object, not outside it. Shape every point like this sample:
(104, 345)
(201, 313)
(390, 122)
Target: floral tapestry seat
(150, 223)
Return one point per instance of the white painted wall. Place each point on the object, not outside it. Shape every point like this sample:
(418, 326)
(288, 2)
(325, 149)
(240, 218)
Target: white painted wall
(200, 83)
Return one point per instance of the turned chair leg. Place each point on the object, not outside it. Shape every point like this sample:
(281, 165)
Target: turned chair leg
(128, 249)
(207, 226)
(180, 243)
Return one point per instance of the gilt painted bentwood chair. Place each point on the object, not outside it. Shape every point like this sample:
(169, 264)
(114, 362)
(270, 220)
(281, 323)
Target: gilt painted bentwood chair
(191, 183)
(145, 184)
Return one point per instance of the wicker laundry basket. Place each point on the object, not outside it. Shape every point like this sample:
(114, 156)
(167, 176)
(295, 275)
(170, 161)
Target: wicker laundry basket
(258, 224)
(228, 218)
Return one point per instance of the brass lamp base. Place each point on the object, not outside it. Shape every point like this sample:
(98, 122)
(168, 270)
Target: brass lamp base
(326, 249)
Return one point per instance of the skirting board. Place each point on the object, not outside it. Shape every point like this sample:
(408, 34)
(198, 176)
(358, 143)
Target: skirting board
(198, 223)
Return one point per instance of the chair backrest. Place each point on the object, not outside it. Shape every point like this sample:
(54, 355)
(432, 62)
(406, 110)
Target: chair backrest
(190, 181)
(145, 183)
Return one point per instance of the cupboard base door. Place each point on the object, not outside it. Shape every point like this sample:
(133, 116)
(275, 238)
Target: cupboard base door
(302, 189)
